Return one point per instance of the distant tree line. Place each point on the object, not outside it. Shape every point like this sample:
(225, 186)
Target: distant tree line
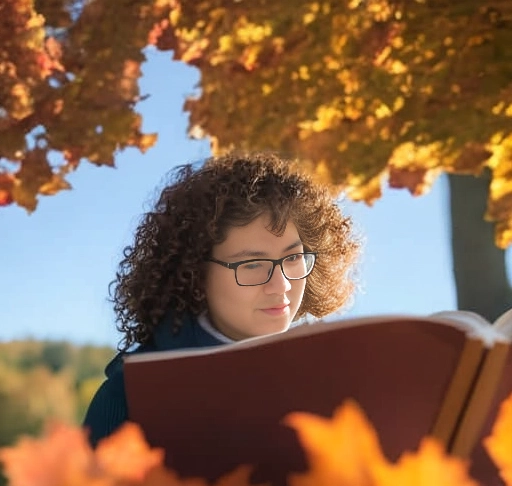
(44, 380)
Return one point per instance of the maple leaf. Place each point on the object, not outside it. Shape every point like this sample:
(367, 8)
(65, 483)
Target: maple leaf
(342, 451)
(126, 455)
(429, 466)
(62, 457)
(499, 443)
(35, 172)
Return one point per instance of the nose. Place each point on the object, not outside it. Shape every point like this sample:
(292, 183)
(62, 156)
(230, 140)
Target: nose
(278, 283)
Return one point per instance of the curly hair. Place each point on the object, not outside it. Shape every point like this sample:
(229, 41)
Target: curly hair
(165, 267)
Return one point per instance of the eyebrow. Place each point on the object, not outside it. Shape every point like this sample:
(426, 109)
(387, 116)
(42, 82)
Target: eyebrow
(262, 254)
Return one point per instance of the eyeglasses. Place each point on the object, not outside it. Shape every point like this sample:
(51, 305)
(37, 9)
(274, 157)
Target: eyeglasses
(259, 271)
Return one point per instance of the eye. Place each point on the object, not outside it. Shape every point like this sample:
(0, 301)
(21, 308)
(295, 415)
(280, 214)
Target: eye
(251, 266)
(297, 257)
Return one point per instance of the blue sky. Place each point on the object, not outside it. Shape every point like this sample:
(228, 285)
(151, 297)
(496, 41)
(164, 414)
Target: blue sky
(55, 264)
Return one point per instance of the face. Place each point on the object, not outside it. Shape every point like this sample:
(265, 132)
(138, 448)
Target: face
(243, 312)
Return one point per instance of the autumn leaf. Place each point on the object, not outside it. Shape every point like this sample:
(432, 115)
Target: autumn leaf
(126, 455)
(342, 451)
(417, 181)
(35, 173)
(62, 457)
(429, 466)
(6, 185)
(499, 443)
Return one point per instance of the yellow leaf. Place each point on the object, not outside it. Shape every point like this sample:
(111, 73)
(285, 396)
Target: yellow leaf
(250, 33)
(22, 101)
(226, 43)
(428, 467)
(360, 189)
(52, 187)
(342, 451)
(146, 141)
(382, 111)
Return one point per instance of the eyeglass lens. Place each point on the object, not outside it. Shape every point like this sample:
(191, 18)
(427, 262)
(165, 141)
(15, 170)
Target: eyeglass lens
(258, 271)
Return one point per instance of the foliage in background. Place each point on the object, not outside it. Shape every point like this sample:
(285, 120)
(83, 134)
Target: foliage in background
(364, 91)
(69, 75)
(342, 451)
(43, 379)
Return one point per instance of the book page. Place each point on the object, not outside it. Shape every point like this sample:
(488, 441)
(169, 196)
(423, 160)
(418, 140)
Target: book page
(477, 326)
(504, 324)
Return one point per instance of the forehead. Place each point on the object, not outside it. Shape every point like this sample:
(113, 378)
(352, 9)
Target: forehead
(255, 239)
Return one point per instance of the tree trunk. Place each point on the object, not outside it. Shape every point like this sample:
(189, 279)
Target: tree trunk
(478, 264)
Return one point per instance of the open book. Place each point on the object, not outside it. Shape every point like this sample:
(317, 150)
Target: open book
(217, 408)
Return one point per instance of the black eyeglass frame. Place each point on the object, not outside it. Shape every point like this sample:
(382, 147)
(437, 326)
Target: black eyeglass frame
(235, 265)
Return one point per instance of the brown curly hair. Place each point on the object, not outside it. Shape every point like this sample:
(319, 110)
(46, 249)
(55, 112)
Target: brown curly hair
(165, 267)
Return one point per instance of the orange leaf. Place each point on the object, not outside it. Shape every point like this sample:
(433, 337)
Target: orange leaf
(6, 186)
(62, 457)
(416, 180)
(499, 443)
(342, 451)
(126, 455)
(5, 197)
(429, 466)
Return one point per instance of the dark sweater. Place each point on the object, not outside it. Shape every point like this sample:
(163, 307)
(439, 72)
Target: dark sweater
(108, 409)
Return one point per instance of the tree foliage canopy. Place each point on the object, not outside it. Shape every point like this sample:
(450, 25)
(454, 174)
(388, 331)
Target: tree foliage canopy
(68, 86)
(363, 90)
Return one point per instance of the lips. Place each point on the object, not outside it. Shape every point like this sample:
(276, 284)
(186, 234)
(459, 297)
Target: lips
(276, 310)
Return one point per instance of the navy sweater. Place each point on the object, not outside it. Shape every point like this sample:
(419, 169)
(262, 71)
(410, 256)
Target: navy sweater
(108, 409)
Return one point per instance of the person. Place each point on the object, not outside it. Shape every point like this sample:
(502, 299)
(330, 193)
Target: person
(237, 247)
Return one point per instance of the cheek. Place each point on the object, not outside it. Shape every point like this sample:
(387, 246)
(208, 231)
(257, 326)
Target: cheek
(298, 291)
(299, 286)
(221, 288)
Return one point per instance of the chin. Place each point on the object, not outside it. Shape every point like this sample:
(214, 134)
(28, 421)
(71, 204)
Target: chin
(274, 327)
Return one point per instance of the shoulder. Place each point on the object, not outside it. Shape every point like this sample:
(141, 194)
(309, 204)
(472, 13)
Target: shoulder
(108, 408)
